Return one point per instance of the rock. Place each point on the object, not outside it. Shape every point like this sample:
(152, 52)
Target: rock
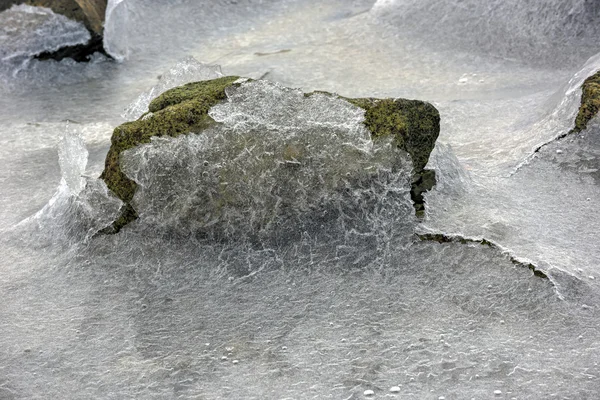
(89, 12)
(414, 126)
(590, 102)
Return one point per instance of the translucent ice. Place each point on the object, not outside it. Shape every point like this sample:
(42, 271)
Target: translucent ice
(72, 157)
(26, 31)
(540, 211)
(80, 206)
(115, 29)
(277, 159)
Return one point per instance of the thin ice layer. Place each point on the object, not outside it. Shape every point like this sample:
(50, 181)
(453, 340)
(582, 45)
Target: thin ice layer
(186, 70)
(543, 213)
(280, 163)
(80, 207)
(552, 32)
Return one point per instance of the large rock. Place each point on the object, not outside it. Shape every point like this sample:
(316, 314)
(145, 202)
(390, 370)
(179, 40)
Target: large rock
(414, 126)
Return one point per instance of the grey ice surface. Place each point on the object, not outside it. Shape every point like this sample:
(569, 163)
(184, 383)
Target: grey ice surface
(330, 307)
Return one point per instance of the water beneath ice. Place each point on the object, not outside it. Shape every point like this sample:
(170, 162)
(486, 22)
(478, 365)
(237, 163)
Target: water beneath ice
(294, 289)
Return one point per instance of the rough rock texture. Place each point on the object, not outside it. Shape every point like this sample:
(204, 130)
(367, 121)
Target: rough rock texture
(590, 102)
(414, 124)
(90, 12)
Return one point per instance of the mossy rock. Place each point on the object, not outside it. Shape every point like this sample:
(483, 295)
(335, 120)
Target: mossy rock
(590, 102)
(414, 124)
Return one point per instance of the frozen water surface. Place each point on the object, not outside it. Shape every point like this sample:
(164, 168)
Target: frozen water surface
(292, 289)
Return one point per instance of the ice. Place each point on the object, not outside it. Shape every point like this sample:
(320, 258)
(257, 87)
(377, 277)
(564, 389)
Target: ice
(185, 71)
(80, 207)
(72, 158)
(326, 311)
(116, 36)
(278, 159)
(553, 32)
(540, 211)
(26, 31)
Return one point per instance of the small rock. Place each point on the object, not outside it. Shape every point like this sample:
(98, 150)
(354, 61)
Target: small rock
(497, 392)
(592, 277)
(369, 392)
(224, 358)
(442, 398)
(283, 348)
(559, 151)
(395, 389)
(235, 361)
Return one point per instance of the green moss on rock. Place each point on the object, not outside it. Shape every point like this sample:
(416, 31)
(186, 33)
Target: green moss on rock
(590, 102)
(177, 111)
(414, 124)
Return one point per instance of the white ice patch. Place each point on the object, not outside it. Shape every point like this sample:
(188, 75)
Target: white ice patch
(278, 165)
(187, 70)
(116, 33)
(72, 157)
(81, 206)
(26, 31)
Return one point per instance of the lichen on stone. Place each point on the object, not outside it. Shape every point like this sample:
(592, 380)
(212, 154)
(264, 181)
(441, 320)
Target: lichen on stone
(590, 102)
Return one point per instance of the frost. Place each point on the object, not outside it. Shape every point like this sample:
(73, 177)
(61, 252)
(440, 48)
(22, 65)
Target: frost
(185, 71)
(279, 159)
